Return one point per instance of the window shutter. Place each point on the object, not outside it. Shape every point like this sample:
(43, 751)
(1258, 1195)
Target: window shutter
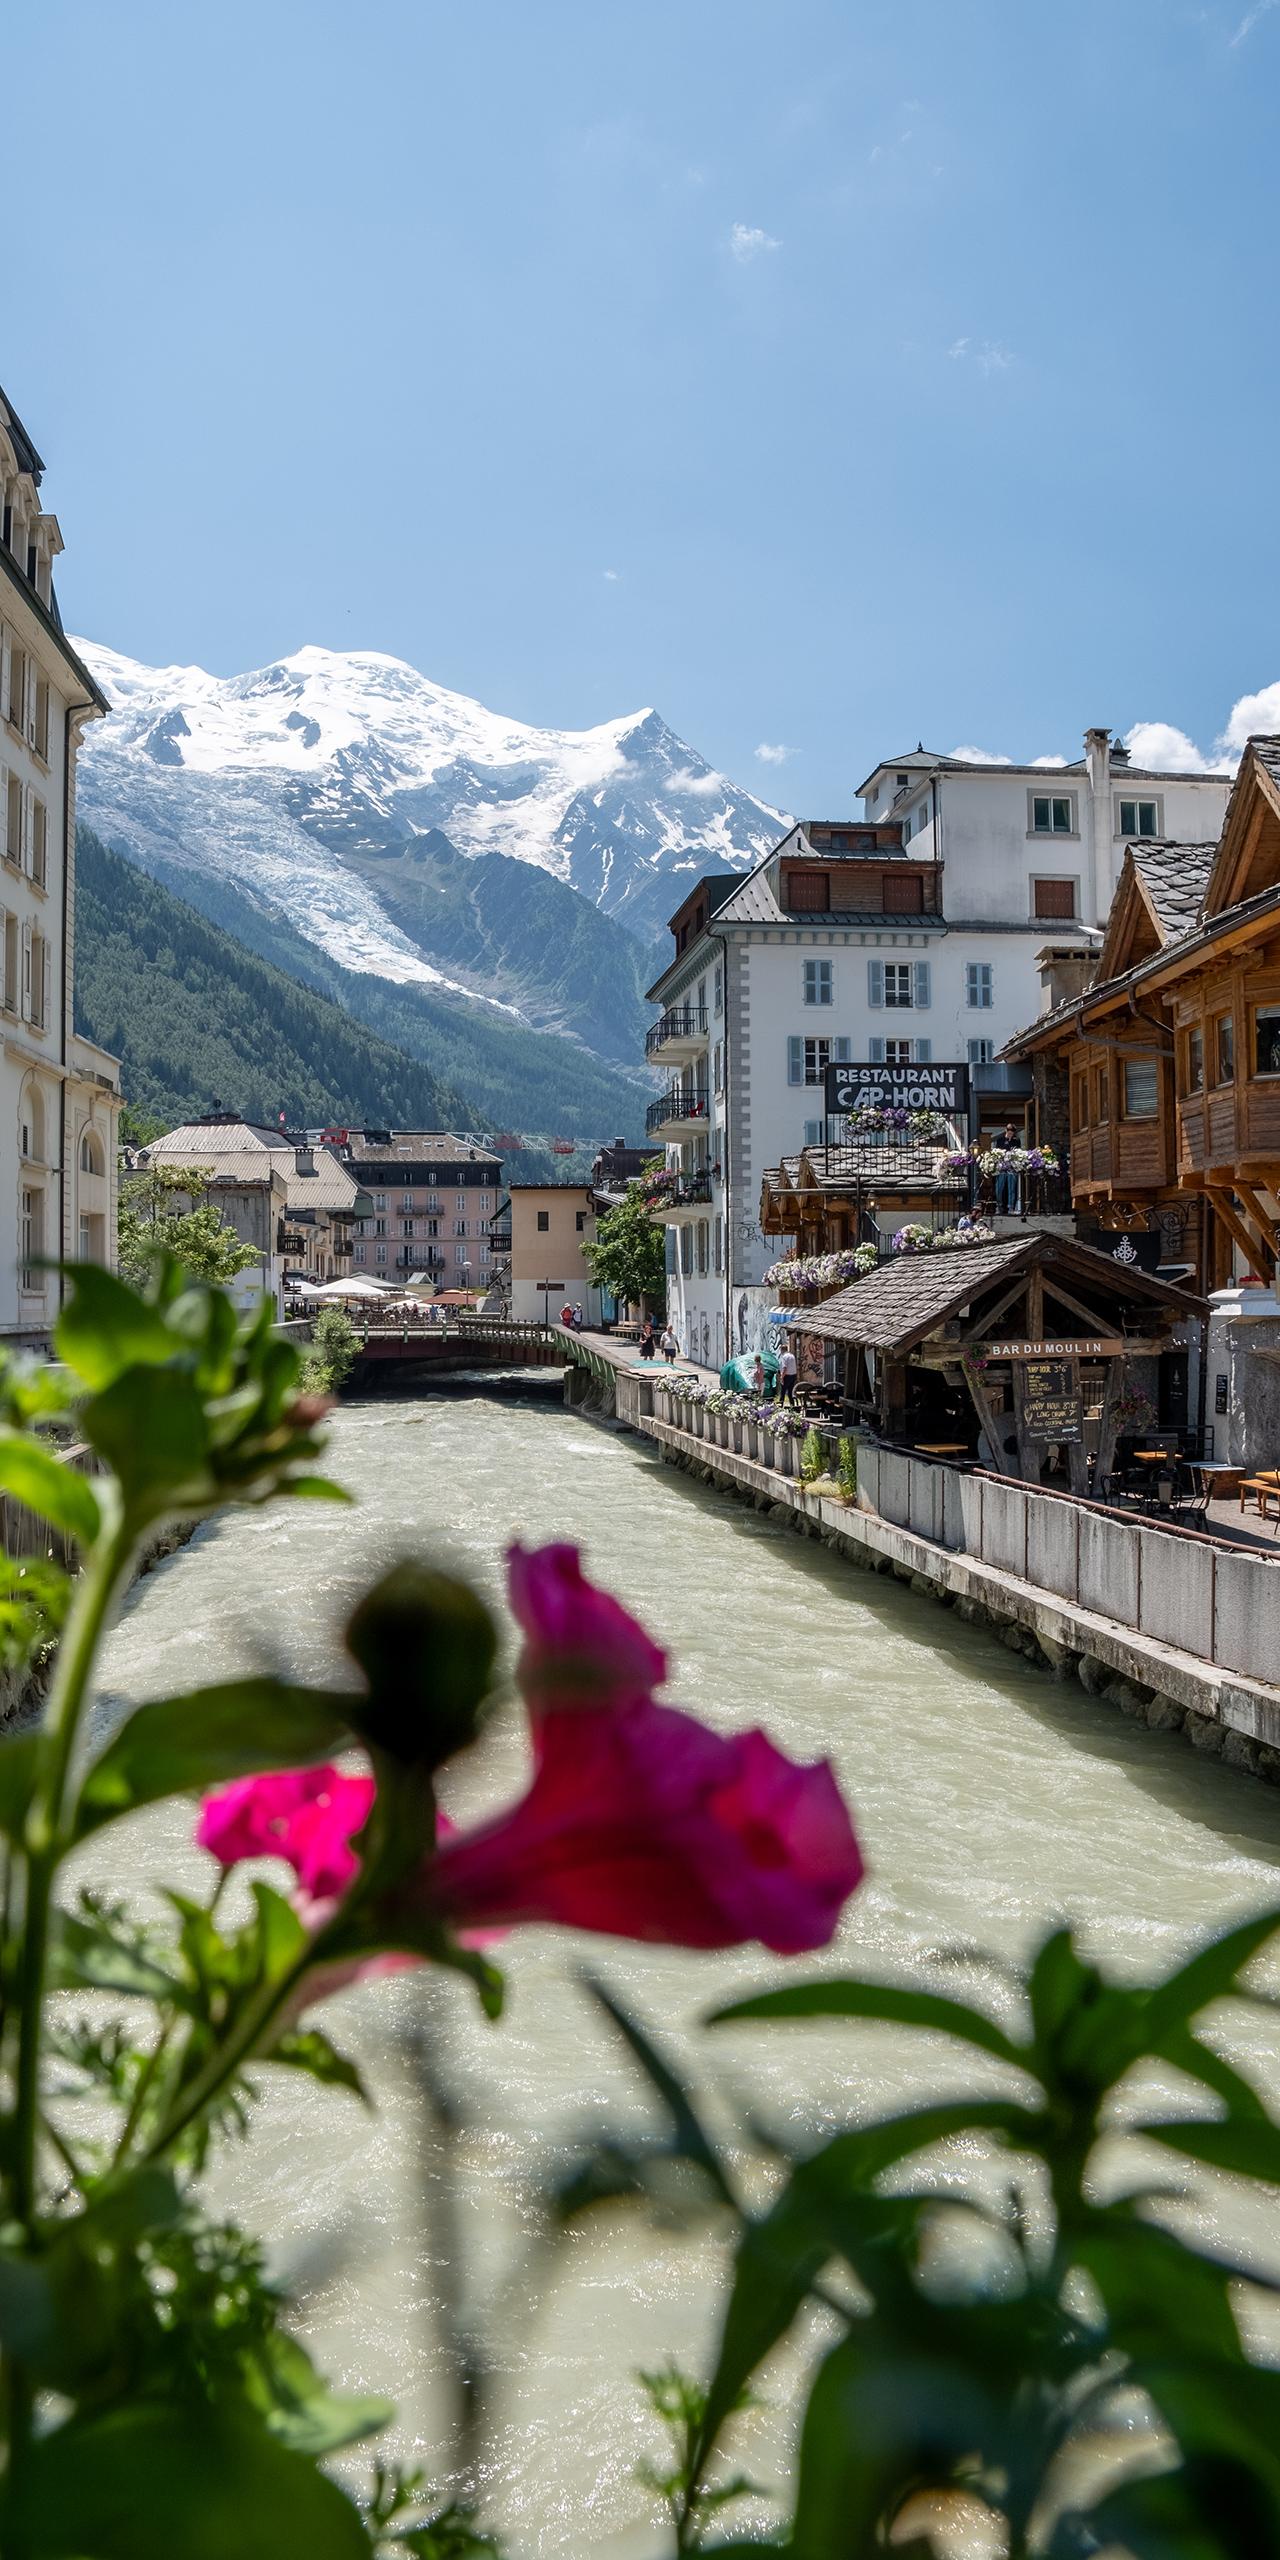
(46, 985)
(813, 1133)
(842, 1050)
(924, 1052)
(875, 984)
(795, 1060)
(921, 977)
(28, 826)
(875, 1052)
(26, 973)
(5, 654)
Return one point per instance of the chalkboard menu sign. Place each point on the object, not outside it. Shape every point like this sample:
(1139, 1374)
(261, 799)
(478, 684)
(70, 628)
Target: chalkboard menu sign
(1049, 1400)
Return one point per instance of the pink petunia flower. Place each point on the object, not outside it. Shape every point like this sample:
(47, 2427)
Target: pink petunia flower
(308, 1817)
(642, 1823)
(581, 1647)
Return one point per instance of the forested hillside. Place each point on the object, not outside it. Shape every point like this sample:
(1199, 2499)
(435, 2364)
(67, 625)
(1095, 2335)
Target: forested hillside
(196, 1020)
(510, 1077)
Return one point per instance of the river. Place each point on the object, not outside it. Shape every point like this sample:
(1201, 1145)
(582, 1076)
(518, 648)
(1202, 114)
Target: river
(988, 1799)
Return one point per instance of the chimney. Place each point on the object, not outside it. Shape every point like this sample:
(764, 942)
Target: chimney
(304, 1159)
(1098, 836)
(1066, 969)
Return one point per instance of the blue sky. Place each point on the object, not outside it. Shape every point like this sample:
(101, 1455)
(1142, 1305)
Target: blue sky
(830, 373)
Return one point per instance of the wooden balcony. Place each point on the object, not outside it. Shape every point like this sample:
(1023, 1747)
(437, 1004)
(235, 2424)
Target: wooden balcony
(1238, 1124)
(1122, 1155)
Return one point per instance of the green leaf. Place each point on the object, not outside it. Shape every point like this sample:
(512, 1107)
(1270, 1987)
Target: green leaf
(26, 2308)
(173, 1746)
(1177, 2045)
(1159, 2294)
(877, 2425)
(306, 2049)
(315, 1489)
(1211, 1974)
(47, 1486)
(301, 2410)
(86, 1957)
(152, 2480)
(106, 1328)
(893, 2002)
(150, 1427)
(690, 2136)
(1247, 2147)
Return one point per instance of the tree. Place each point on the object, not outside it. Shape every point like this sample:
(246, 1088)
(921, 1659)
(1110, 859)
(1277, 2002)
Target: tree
(158, 1216)
(331, 1358)
(626, 1255)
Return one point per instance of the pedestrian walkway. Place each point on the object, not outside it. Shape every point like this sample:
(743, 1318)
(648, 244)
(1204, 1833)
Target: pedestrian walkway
(625, 1354)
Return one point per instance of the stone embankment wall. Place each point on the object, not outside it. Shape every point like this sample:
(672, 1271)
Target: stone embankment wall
(1178, 1630)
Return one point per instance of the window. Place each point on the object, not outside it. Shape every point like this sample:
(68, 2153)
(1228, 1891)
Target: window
(433, 1226)
(902, 779)
(486, 1200)
(90, 1158)
(1141, 1089)
(1139, 818)
(13, 823)
(39, 844)
(1266, 1040)
(719, 989)
(817, 1059)
(359, 1253)
(544, 1222)
(897, 983)
(40, 977)
(31, 1244)
(380, 1253)
(1053, 898)
(379, 1226)
(580, 1221)
(42, 719)
(1052, 816)
(433, 1199)
(719, 1244)
(817, 982)
(1226, 1050)
(979, 983)
(11, 987)
(717, 1067)
(17, 702)
(703, 1233)
(406, 1226)
(460, 1176)
(407, 1201)
(1195, 1060)
(810, 890)
(897, 1053)
(1104, 1094)
(903, 893)
(981, 1052)
(379, 1199)
(459, 1226)
(91, 1234)
(460, 1256)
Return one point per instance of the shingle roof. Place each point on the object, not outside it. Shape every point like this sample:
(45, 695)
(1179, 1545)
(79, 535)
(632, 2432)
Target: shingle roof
(900, 1302)
(1175, 877)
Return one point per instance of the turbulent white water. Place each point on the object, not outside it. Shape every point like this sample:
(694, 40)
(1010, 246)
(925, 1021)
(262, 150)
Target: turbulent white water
(988, 1800)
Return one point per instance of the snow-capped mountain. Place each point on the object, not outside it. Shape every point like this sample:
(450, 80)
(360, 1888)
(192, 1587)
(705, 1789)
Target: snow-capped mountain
(320, 786)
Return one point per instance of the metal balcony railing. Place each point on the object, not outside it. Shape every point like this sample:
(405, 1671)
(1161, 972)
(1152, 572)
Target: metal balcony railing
(683, 1022)
(682, 1191)
(677, 1106)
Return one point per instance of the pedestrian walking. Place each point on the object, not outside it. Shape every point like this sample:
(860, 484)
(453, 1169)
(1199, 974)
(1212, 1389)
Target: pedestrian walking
(669, 1345)
(648, 1340)
(759, 1381)
(788, 1371)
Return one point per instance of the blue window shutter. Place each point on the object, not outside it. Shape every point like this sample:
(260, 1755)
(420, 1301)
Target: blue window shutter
(842, 1049)
(875, 1052)
(795, 1060)
(875, 982)
(813, 1133)
(924, 1052)
(921, 989)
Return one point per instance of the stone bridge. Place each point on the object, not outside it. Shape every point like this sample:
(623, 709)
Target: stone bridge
(467, 1342)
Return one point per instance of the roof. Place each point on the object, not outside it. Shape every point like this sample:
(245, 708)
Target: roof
(27, 457)
(920, 761)
(892, 1161)
(902, 1301)
(1175, 877)
(393, 1146)
(239, 1151)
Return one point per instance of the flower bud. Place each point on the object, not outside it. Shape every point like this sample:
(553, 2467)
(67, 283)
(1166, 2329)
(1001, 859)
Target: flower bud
(426, 1645)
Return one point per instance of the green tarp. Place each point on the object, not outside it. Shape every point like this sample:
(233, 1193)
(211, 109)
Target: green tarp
(740, 1373)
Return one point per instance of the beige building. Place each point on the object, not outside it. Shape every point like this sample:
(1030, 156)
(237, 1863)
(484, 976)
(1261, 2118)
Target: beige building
(295, 1203)
(59, 1095)
(550, 1221)
(430, 1200)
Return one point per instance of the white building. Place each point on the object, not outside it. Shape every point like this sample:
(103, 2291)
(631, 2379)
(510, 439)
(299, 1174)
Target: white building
(59, 1095)
(907, 936)
(297, 1204)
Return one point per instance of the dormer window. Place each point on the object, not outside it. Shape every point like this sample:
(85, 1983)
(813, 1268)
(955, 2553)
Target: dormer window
(809, 890)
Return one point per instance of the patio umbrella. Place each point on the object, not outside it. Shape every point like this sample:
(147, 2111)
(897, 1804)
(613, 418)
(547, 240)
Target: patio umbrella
(351, 1289)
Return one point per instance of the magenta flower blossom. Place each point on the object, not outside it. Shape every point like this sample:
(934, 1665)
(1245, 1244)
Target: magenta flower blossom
(581, 1647)
(639, 1821)
(308, 1817)
(642, 1823)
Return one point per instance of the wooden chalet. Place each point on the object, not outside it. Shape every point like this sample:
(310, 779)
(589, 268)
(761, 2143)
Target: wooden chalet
(1171, 1058)
(827, 1198)
(1020, 1352)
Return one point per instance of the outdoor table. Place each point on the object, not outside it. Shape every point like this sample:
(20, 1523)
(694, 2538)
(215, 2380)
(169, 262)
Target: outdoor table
(942, 1448)
(1265, 1488)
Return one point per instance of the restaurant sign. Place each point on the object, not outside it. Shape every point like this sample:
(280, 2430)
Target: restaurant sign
(858, 1085)
(1105, 1346)
(1048, 1401)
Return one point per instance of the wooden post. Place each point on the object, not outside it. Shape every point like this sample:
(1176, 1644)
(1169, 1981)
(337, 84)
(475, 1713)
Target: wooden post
(1035, 1304)
(893, 1399)
(986, 1418)
(1029, 1460)
(1107, 1429)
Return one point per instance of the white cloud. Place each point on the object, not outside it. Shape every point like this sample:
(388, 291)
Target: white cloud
(611, 575)
(698, 786)
(986, 353)
(1254, 715)
(1262, 9)
(747, 243)
(977, 755)
(1164, 749)
(773, 755)
(1048, 764)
